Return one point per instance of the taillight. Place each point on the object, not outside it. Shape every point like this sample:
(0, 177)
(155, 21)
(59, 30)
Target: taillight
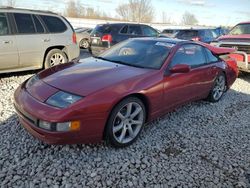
(107, 38)
(196, 39)
(74, 38)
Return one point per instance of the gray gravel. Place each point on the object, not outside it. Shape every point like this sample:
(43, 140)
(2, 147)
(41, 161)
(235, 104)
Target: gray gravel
(199, 145)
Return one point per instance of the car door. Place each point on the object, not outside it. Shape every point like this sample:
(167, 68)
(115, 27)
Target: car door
(8, 45)
(180, 88)
(31, 39)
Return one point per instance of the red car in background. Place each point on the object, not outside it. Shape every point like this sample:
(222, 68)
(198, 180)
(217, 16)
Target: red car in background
(113, 95)
(239, 39)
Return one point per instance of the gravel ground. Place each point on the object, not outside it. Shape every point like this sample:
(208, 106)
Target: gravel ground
(199, 145)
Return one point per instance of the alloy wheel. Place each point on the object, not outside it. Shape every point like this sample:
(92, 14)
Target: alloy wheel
(128, 122)
(219, 87)
(84, 44)
(57, 59)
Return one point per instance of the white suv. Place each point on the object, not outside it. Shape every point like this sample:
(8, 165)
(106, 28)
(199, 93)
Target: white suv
(34, 39)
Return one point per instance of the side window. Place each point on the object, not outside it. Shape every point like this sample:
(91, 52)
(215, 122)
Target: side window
(4, 30)
(124, 30)
(135, 30)
(24, 23)
(54, 24)
(39, 27)
(189, 54)
(188, 34)
(149, 32)
(210, 57)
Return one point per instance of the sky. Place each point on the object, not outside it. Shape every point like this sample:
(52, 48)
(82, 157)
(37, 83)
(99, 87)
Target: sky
(207, 12)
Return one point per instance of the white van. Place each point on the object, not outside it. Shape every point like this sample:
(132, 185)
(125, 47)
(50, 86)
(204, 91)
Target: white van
(34, 39)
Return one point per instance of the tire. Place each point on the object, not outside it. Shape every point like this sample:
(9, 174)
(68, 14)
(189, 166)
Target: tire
(219, 88)
(125, 124)
(55, 57)
(84, 43)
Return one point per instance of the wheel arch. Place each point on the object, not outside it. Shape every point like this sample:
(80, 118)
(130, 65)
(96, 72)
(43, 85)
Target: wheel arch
(59, 47)
(140, 96)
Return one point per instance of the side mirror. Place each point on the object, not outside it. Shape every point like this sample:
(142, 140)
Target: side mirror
(180, 68)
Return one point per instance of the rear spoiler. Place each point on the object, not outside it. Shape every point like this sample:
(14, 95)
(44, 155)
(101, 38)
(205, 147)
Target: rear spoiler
(218, 50)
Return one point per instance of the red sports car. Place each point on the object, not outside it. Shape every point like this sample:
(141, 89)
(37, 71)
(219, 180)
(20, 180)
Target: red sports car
(113, 95)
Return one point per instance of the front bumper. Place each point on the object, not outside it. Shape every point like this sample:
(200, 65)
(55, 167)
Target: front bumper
(242, 60)
(30, 111)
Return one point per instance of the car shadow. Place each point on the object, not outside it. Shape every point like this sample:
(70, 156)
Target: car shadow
(189, 137)
(245, 76)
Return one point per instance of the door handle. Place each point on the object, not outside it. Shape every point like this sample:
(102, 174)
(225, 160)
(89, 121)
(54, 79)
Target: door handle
(46, 40)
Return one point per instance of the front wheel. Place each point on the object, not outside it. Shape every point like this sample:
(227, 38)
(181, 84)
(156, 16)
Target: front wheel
(218, 89)
(125, 122)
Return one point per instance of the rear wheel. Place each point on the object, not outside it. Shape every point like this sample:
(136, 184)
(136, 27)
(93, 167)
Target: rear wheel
(84, 43)
(55, 57)
(218, 89)
(125, 122)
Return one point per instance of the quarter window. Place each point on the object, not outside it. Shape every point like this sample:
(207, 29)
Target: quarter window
(54, 24)
(24, 23)
(211, 58)
(4, 30)
(189, 54)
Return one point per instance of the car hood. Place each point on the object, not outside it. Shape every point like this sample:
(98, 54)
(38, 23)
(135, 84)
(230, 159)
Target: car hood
(245, 37)
(89, 75)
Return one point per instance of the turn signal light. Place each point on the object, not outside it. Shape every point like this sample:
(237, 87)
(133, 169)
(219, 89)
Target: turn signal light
(74, 125)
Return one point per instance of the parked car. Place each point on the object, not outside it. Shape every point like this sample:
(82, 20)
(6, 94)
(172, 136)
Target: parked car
(203, 35)
(106, 35)
(111, 96)
(221, 31)
(169, 32)
(34, 39)
(239, 39)
(83, 37)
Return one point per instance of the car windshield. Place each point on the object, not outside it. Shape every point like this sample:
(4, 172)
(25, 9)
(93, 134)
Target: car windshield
(240, 29)
(139, 53)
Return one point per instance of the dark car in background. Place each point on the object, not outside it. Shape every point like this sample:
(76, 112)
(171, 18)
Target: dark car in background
(203, 35)
(169, 32)
(106, 35)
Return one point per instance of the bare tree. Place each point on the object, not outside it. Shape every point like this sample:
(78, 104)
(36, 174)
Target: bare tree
(136, 10)
(10, 3)
(189, 19)
(75, 8)
(71, 9)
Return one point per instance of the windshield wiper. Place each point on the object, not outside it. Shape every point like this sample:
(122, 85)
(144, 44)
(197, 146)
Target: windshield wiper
(128, 64)
(118, 62)
(102, 58)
